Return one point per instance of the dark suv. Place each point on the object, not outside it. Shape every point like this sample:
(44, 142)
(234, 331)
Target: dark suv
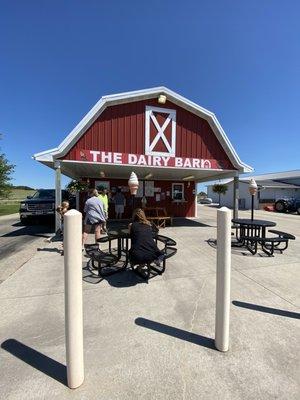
(42, 205)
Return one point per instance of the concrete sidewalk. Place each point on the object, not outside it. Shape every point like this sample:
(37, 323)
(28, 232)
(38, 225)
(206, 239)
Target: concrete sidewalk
(155, 340)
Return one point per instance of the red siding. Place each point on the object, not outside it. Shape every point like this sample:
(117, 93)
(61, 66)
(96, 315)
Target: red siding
(121, 128)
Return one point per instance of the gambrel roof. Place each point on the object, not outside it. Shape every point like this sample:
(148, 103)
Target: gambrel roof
(127, 97)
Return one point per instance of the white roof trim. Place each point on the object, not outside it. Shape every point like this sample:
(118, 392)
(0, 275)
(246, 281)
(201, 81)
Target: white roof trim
(137, 95)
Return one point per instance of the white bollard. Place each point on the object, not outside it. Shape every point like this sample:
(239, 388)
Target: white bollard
(73, 297)
(223, 278)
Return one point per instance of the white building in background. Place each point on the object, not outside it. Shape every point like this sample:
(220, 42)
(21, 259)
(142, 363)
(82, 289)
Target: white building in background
(271, 187)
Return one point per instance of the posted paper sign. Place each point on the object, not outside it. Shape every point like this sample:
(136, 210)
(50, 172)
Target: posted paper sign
(149, 188)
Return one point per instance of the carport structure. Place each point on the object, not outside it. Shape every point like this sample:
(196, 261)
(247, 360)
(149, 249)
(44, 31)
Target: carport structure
(170, 142)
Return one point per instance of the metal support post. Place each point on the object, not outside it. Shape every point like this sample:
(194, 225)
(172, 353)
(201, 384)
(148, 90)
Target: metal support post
(195, 200)
(223, 279)
(235, 197)
(77, 201)
(57, 194)
(252, 206)
(73, 298)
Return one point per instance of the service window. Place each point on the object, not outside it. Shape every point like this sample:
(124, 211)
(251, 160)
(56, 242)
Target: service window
(178, 191)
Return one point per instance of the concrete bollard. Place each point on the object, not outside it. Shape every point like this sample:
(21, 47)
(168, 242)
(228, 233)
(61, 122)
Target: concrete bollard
(73, 297)
(223, 278)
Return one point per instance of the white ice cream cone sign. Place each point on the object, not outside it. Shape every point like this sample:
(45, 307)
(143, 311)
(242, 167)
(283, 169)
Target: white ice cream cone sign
(133, 183)
(252, 187)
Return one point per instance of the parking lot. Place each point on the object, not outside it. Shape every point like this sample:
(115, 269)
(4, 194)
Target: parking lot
(155, 340)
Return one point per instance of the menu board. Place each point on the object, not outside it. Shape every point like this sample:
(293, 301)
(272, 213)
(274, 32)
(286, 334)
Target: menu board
(149, 188)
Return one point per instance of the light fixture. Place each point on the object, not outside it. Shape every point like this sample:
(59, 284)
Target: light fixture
(148, 176)
(102, 174)
(252, 190)
(162, 99)
(187, 178)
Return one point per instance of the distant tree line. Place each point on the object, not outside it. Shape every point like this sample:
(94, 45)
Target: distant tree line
(6, 170)
(23, 187)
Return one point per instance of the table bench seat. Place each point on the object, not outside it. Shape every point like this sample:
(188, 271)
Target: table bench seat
(105, 262)
(282, 234)
(268, 244)
(166, 240)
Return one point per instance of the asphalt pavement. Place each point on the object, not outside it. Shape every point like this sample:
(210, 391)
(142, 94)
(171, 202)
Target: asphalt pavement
(18, 243)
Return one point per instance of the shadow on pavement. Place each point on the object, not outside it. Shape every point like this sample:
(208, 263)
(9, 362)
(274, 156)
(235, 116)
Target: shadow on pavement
(176, 332)
(189, 223)
(34, 230)
(269, 310)
(37, 360)
(124, 278)
(50, 249)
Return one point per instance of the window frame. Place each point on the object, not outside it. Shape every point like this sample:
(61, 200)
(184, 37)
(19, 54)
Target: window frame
(182, 185)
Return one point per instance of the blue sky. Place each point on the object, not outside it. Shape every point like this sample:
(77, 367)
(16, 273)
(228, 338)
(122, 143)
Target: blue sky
(239, 59)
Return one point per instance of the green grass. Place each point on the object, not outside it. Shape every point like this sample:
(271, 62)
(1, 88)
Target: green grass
(11, 205)
(16, 195)
(20, 194)
(6, 209)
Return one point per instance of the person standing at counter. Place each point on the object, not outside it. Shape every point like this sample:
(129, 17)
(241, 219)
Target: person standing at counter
(94, 216)
(104, 198)
(119, 200)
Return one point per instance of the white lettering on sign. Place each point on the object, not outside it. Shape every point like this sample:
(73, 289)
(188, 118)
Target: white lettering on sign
(95, 154)
(187, 163)
(142, 160)
(178, 162)
(165, 160)
(156, 161)
(196, 162)
(108, 157)
(117, 157)
(132, 159)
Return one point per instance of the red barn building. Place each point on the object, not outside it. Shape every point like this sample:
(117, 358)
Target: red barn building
(170, 142)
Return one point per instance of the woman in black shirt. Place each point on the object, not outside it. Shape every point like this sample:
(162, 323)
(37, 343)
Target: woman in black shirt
(143, 247)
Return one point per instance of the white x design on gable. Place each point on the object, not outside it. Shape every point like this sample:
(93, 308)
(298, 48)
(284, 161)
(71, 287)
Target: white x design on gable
(170, 118)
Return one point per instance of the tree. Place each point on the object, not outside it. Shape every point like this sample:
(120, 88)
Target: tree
(220, 188)
(201, 195)
(6, 169)
(77, 186)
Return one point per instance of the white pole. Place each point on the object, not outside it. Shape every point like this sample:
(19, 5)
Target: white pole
(73, 297)
(196, 202)
(223, 278)
(77, 201)
(57, 194)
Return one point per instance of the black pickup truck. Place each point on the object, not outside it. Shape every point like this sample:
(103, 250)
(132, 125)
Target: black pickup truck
(41, 206)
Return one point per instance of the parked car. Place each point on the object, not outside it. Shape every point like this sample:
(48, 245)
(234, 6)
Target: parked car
(205, 200)
(42, 206)
(287, 205)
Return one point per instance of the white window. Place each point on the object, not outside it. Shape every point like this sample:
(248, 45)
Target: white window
(150, 143)
(178, 191)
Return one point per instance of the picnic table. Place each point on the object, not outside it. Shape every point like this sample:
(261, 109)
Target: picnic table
(158, 216)
(253, 233)
(107, 263)
(251, 227)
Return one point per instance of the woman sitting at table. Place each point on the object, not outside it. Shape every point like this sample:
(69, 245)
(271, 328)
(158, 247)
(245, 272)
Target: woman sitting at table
(143, 247)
